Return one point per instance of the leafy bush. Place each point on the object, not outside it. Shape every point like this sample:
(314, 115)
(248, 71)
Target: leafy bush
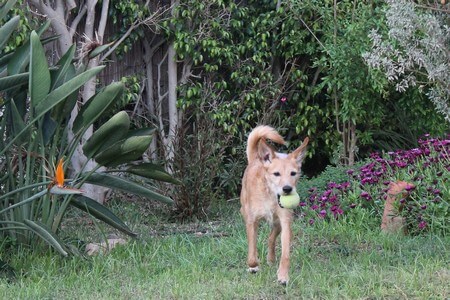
(426, 168)
(35, 109)
(414, 51)
(198, 166)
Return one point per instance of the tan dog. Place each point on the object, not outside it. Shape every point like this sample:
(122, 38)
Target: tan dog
(268, 175)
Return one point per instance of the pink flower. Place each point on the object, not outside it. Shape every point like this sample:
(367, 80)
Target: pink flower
(422, 225)
(323, 213)
(283, 99)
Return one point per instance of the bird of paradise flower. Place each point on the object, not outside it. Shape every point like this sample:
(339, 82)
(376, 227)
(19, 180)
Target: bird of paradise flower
(57, 185)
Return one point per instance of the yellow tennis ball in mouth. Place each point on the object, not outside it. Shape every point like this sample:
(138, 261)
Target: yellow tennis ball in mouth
(289, 201)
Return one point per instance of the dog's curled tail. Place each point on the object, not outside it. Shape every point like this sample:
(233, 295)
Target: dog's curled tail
(259, 133)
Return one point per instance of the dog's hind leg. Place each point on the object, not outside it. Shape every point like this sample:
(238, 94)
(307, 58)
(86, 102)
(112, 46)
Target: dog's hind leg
(252, 258)
(276, 229)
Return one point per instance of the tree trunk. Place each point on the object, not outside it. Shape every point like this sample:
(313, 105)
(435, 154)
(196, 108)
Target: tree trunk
(172, 105)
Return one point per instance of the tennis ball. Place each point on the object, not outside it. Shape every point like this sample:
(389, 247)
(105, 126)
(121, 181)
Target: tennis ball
(289, 201)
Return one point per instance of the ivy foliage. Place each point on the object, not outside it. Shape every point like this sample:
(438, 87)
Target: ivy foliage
(123, 15)
(293, 64)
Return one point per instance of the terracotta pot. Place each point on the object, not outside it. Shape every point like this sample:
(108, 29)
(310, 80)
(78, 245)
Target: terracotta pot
(391, 221)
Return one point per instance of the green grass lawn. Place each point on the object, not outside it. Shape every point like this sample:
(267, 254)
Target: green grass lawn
(349, 259)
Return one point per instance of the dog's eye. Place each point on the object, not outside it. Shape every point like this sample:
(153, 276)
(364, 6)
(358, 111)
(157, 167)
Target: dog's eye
(276, 174)
(293, 173)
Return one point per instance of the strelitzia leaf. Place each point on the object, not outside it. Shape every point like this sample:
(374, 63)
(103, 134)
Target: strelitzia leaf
(61, 93)
(63, 66)
(124, 151)
(152, 171)
(112, 131)
(4, 60)
(96, 106)
(99, 50)
(39, 72)
(125, 185)
(19, 62)
(48, 128)
(54, 98)
(140, 132)
(7, 29)
(46, 234)
(6, 8)
(17, 123)
(100, 212)
(13, 81)
(58, 190)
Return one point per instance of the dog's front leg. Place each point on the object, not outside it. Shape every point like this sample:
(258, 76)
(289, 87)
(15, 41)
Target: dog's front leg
(252, 258)
(276, 229)
(283, 269)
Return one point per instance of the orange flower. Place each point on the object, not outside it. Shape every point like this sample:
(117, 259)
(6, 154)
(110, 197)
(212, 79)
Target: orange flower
(57, 184)
(59, 176)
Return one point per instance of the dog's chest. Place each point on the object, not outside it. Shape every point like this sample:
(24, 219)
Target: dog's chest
(268, 210)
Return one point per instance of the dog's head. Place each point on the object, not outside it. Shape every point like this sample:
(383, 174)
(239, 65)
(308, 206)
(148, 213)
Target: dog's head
(282, 170)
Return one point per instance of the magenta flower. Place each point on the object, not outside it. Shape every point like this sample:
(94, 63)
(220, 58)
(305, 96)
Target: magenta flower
(409, 187)
(366, 196)
(422, 225)
(322, 213)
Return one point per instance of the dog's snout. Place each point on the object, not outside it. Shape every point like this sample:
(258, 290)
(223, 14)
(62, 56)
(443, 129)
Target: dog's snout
(287, 189)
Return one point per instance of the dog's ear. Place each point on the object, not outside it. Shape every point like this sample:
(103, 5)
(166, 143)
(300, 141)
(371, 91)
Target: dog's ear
(300, 153)
(265, 152)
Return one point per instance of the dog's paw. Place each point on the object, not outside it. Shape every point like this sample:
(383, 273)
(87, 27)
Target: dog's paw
(283, 282)
(253, 270)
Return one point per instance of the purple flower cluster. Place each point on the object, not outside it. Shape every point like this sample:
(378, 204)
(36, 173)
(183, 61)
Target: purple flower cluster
(425, 167)
(328, 202)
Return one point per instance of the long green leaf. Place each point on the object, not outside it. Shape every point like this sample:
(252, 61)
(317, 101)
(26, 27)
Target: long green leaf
(55, 97)
(4, 60)
(63, 66)
(100, 212)
(6, 8)
(39, 85)
(25, 201)
(64, 109)
(125, 185)
(152, 171)
(48, 236)
(97, 105)
(13, 81)
(124, 151)
(112, 131)
(7, 29)
(61, 93)
(19, 62)
(48, 128)
(17, 122)
(100, 49)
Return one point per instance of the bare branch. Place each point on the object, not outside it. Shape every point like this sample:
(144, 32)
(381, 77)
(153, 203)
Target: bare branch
(73, 26)
(155, 18)
(103, 21)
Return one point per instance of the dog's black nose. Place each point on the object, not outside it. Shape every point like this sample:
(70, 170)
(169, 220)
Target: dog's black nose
(287, 189)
